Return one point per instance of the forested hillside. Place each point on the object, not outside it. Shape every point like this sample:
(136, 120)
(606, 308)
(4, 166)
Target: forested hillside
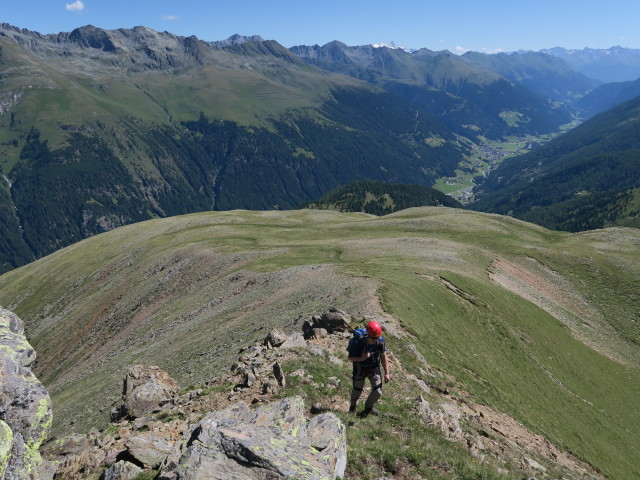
(380, 198)
(582, 180)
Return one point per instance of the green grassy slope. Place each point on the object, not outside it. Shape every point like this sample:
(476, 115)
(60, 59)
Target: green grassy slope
(539, 324)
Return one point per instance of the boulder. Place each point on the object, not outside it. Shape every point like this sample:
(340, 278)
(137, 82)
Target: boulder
(145, 390)
(148, 448)
(326, 433)
(273, 441)
(294, 341)
(335, 321)
(275, 338)
(6, 445)
(25, 405)
(122, 470)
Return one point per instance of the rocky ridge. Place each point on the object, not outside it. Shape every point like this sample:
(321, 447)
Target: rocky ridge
(245, 424)
(136, 49)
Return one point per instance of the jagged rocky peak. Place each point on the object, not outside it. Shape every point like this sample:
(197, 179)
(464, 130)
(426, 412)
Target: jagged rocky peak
(238, 39)
(92, 37)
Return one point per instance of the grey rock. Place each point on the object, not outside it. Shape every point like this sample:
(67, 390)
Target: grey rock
(320, 333)
(73, 444)
(6, 445)
(149, 448)
(249, 379)
(275, 338)
(421, 383)
(274, 441)
(122, 471)
(327, 434)
(335, 321)
(25, 405)
(295, 341)
(146, 389)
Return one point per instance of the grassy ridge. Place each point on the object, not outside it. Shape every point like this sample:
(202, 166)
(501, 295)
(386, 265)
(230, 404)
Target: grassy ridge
(170, 292)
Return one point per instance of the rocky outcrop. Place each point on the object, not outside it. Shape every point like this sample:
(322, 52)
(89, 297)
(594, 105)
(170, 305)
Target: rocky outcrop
(25, 406)
(145, 390)
(273, 441)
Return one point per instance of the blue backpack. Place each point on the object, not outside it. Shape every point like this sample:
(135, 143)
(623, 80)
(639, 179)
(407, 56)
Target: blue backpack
(356, 340)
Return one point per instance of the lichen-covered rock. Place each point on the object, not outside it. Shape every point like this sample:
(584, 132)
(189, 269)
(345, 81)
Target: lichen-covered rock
(273, 441)
(6, 444)
(145, 390)
(327, 434)
(25, 405)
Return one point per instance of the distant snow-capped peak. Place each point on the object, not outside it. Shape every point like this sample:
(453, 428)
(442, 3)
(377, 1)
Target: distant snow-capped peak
(393, 46)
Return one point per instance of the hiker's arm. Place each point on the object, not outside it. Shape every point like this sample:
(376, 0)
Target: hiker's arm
(361, 358)
(385, 365)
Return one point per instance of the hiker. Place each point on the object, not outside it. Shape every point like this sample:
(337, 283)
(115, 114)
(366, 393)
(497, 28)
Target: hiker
(367, 350)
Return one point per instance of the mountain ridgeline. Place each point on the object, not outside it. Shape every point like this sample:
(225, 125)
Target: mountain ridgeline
(469, 99)
(380, 198)
(107, 128)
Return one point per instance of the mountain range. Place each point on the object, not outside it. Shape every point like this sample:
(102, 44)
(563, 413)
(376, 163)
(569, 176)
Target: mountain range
(102, 128)
(615, 64)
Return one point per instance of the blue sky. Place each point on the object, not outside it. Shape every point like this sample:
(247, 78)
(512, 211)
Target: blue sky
(455, 25)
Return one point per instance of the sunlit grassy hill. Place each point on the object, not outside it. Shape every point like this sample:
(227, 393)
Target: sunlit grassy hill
(538, 324)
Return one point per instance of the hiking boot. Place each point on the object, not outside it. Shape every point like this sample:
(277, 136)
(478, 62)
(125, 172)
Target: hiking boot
(369, 411)
(352, 409)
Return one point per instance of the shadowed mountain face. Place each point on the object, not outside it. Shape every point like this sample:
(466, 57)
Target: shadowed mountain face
(470, 97)
(585, 179)
(99, 129)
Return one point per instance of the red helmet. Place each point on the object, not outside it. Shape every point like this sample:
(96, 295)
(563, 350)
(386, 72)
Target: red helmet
(374, 329)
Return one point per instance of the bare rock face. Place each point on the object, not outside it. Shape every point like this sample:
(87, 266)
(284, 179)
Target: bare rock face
(274, 441)
(145, 390)
(25, 405)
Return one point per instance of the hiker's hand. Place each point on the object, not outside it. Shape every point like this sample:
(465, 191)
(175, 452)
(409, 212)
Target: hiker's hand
(365, 356)
(387, 377)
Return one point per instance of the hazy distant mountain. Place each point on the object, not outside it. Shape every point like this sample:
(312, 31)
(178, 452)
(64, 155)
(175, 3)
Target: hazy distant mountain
(615, 64)
(585, 179)
(608, 96)
(469, 100)
(103, 128)
(546, 75)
